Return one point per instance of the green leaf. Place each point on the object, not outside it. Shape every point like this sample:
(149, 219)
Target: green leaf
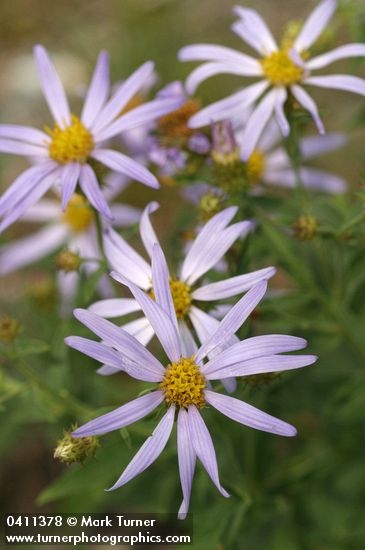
(288, 254)
(23, 347)
(9, 388)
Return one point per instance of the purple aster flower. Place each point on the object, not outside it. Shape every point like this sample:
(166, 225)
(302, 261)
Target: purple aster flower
(281, 70)
(63, 153)
(211, 243)
(183, 384)
(173, 141)
(269, 163)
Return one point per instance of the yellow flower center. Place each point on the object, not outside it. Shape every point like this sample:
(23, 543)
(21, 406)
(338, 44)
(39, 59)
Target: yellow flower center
(280, 69)
(181, 296)
(255, 166)
(184, 384)
(78, 214)
(72, 144)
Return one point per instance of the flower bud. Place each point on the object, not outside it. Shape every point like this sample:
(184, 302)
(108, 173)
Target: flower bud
(68, 261)
(75, 449)
(9, 329)
(225, 147)
(228, 169)
(209, 205)
(305, 227)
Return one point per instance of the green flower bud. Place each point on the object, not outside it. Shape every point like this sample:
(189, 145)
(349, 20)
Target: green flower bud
(75, 449)
(209, 205)
(68, 261)
(305, 227)
(9, 329)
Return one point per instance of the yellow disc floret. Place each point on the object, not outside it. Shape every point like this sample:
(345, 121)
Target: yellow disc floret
(280, 69)
(181, 296)
(78, 214)
(71, 144)
(255, 166)
(184, 384)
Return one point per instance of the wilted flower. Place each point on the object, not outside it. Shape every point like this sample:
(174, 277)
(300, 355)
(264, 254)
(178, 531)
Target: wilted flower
(172, 142)
(211, 243)
(63, 153)
(282, 69)
(174, 125)
(184, 383)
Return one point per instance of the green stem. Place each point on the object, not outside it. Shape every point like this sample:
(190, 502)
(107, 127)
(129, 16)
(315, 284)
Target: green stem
(345, 320)
(99, 231)
(352, 223)
(95, 260)
(61, 397)
(347, 323)
(292, 147)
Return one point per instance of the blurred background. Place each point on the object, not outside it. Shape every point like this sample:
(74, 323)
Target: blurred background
(287, 495)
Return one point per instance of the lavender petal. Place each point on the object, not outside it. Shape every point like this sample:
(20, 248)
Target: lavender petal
(150, 450)
(123, 416)
(249, 416)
